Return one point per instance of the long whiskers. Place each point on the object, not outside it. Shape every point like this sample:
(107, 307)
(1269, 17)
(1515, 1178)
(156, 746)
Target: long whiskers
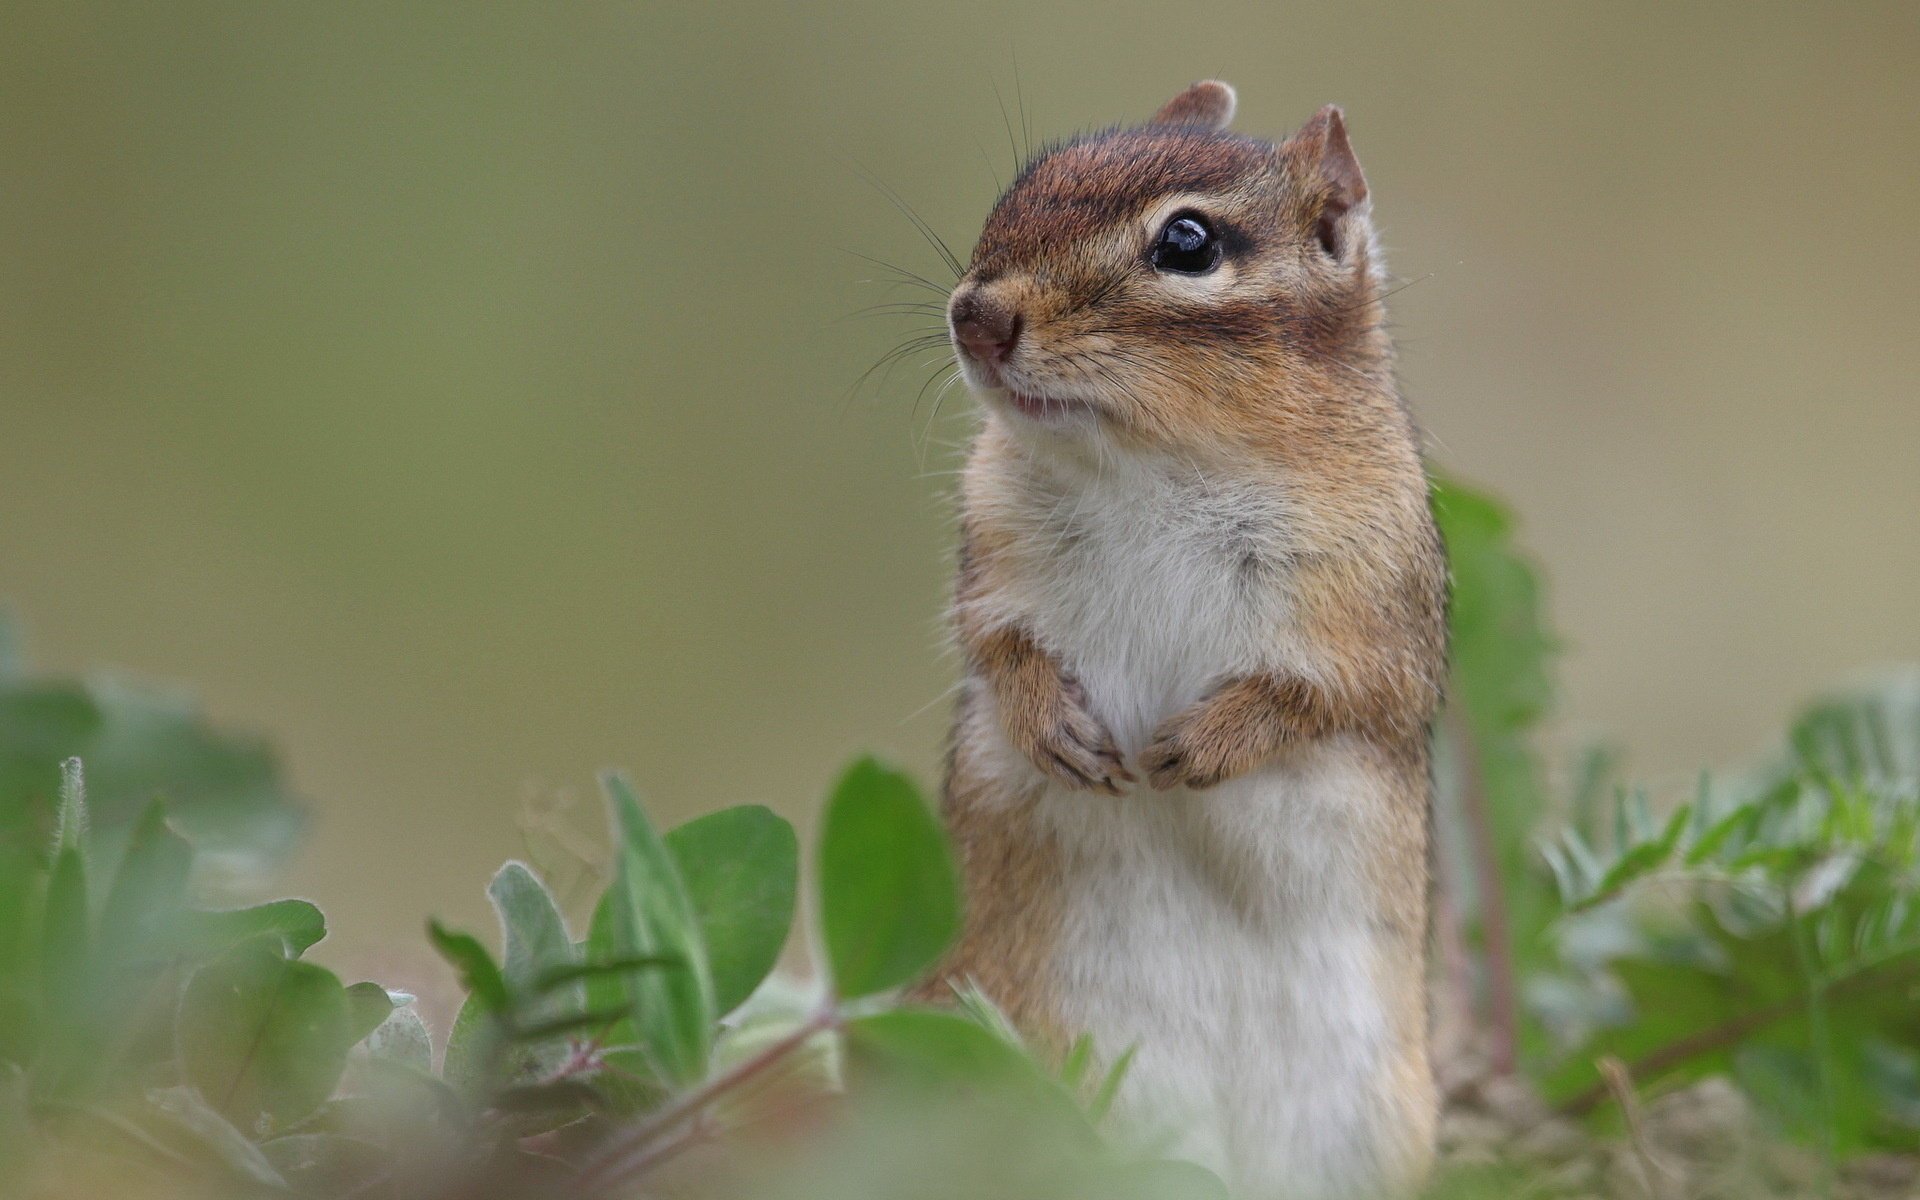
(907, 210)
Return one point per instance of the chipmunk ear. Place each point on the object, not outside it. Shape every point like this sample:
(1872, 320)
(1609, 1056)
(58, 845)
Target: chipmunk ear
(1208, 104)
(1321, 150)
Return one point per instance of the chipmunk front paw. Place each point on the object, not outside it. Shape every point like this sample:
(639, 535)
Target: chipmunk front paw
(1220, 737)
(1067, 742)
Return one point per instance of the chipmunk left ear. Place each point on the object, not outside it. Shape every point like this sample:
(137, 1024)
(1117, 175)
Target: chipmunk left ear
(1208, 104)
(1321, 150)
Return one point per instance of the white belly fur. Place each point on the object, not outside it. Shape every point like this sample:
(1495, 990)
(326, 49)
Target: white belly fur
(1226, 934)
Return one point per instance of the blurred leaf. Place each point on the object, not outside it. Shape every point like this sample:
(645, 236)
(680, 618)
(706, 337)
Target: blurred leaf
(368, 1006)
(1166, 1179)
(889, 897)
(474, 1046)
(936, 1047)
(1500, 690)
(403, 1038)
(478, 973)
(932, 1052)
(565, 1096)
(143, 908)
(647, 912)
(1079, 1057)
(225, 792)
(188, 1119)
(264, 1038)
(1110, 1086)
(590, 1022)
(980, 1008)
(1868, 735)
(327, 1164)
(297, 923)
(20, 930)
(561, 977)
(741, 867)
(533, 934)
(66, 975)
(67, 978)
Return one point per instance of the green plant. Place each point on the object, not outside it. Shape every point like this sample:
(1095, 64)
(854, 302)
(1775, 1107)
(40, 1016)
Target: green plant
(1767, 927)
(153, 1034)
(1774, 927)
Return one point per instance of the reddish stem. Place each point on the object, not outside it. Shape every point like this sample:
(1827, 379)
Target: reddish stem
(633, 1151)
(1503, 1010)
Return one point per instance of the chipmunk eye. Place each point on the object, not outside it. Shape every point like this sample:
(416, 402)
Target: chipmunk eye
(1187, 246)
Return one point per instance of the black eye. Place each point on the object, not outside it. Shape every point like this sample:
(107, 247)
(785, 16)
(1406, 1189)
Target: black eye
(1187, 246)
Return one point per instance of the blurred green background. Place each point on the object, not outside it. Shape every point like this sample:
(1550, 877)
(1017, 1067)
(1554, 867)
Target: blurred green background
(461, 394)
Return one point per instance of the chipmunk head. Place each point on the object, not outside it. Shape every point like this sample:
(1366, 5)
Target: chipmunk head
(1162, 283)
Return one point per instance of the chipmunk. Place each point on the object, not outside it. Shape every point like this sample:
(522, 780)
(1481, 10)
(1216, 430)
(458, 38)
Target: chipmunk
(1201, 602)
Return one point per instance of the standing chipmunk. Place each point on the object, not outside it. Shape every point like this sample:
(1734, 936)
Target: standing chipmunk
(1202, 604)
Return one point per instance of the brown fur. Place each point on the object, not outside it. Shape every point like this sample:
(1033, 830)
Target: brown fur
(1284, 373)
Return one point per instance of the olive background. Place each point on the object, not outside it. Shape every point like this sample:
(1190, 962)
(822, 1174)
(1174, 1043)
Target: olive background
(464, 394)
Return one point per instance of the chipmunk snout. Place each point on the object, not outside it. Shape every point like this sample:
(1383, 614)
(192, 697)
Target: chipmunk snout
(986, 328)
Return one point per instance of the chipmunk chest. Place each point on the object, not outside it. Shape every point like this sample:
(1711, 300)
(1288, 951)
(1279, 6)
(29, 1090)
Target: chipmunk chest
(1151, 590)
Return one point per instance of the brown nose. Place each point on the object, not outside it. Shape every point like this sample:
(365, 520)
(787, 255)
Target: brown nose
(987, 331)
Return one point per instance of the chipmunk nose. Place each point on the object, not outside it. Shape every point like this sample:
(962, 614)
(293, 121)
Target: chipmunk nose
(986, 330)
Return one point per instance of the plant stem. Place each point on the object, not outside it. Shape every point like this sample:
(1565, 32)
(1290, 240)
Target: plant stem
(1503, 1020)
(1456, 961)
(1683, 1050)
(631, 1151)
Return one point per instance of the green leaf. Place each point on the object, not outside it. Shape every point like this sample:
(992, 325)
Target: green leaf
(1166, 1179)
(1869, 734)
(535, 942)
(368, 1006)
(474, 1047)
(647, 912)
(562, 977)
(1109, 1091)
(297, 923)
(1642, 857)
(403, 1038)
(1073, 1068)
(533, 934)
(225, 795)
(980, 1008)
(187, 1121)
(264, 1038)
(67, 934)
(933, 1052)
(143, 908)
(889, 897)
(20, 941)
(66, 974)
(935, 1046)
(478, 973)
(590, 1022)
(67, 978)
(328, 1164)
(741, 867)
(1501, 688)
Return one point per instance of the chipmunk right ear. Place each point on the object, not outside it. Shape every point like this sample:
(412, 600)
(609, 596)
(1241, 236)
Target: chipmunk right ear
(1208, 104)
(1321, 148)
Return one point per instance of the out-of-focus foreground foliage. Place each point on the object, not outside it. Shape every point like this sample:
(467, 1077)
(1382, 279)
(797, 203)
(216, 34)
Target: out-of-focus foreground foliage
(156, 1038)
